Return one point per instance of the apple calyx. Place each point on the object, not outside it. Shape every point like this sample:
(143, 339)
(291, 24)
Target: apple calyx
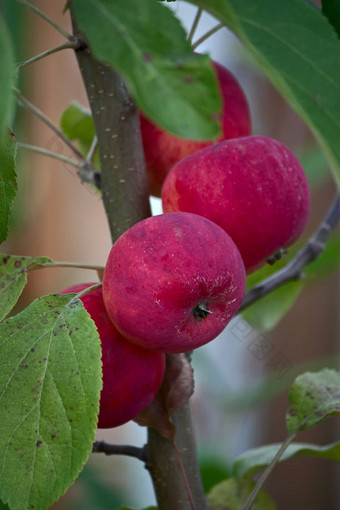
(201, 311)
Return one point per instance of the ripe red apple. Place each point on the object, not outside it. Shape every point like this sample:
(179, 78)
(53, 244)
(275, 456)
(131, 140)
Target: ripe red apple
(162, 149)
(131, 375)
(253, 187)
(173, 282)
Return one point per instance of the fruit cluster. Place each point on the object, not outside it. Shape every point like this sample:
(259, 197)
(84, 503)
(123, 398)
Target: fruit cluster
(173, 282)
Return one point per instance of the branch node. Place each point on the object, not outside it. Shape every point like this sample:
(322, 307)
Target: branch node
(81, 44)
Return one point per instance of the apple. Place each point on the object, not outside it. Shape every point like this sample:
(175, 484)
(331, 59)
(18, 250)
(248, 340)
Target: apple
(252, 187)
(173, 282)
(131, 375)
(162, 149)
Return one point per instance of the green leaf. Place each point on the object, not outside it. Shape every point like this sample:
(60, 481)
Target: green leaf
(266, 313)
(331, 9)
(314, 397)
(77, 124)
(232, 495)
(315, 166)
(6, 77)
(299, 51)
(146, 44)
(213, 471)
(50, 381)
(129, 508)
(99, 493)
(252, 461)
(8, 181)
(3, 506)
(13, 278)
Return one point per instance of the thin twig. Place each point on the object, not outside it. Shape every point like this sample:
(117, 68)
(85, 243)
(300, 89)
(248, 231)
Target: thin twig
(207, 35)
(267, 471)
(92, 150)
(294, 270)
(46, 152)
(89, 289)
(195, 24)
(87, 172)
(75, 265)
(68, 45)
(29, 106)
(46, 18)
(115, 449)
(78, 266)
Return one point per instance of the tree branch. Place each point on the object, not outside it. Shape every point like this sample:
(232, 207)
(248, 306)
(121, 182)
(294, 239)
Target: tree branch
(126, 201)
(208, 34)
(124, 185)
(294, 270)
(25, 103)
(121, 449)
(87, 172)
(68, 45)
(46, 18)
(51, 154)
(195, 24)
(162, 462)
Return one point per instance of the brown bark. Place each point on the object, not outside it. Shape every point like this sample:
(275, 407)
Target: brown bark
(126, 201)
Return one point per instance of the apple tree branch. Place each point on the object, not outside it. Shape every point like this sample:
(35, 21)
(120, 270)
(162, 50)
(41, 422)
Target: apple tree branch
(294, 270)
(119, 449)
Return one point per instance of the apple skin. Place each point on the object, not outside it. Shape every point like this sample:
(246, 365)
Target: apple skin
(161, 269)
(253, 187)
(131, 375)
(163, 150)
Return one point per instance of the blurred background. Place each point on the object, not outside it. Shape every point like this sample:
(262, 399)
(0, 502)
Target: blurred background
(243, 377)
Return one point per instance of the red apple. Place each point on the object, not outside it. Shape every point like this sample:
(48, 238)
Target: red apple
(253, 187)
(162, 149)
(131, 375)
(173, 282)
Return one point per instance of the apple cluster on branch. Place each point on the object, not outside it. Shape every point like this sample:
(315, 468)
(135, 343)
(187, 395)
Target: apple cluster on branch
(232, 201)
(173, 282)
